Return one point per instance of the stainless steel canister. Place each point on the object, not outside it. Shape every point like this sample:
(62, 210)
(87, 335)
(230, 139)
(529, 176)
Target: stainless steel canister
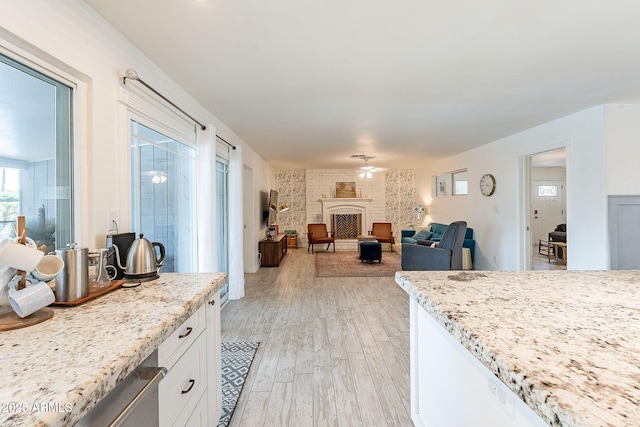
(72, 283)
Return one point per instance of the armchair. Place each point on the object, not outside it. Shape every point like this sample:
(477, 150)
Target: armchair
(317, 233)
(446, 256)
(383, 233)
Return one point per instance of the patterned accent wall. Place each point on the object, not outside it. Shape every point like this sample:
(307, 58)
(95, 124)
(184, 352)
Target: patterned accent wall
(398, 194)
(400, 199)
(291, 186)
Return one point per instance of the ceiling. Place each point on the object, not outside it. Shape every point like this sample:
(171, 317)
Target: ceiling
(307, 84)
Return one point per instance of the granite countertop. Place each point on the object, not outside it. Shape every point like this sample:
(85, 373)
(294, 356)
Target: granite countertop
(566, 342)
(54, 372)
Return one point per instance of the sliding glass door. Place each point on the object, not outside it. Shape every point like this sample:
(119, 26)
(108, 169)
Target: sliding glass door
(163, 195)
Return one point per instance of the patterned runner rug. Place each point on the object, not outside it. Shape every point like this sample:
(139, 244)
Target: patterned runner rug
(348, 264)
(236, 361)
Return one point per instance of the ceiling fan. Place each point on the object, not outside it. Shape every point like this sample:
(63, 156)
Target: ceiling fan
(366, 170)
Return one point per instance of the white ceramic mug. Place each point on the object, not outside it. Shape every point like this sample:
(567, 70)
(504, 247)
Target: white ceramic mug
(19, 256)
(28, 241)
(48, 267)
(31, 299)
(6, 274)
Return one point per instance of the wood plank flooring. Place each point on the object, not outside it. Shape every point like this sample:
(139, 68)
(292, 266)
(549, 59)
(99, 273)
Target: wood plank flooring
(333, 351)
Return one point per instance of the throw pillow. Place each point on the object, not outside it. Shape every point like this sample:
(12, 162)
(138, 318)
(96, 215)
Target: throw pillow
(422, 235)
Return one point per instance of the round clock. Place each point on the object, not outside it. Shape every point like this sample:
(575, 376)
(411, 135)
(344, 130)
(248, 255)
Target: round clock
(487, 184)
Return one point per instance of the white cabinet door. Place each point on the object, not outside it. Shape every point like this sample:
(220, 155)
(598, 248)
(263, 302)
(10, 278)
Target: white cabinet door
(214, 388)
(180, 391)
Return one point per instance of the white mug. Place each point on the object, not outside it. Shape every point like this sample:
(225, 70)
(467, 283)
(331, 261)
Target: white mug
(48, 267)
(6, 274)
(19, 256)
(28, 241)
(31, 299)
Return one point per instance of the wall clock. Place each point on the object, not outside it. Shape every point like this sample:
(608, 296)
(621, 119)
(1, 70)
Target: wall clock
(487, 184)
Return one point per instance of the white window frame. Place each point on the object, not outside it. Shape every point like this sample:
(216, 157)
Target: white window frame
(24, 53)
(135, 104)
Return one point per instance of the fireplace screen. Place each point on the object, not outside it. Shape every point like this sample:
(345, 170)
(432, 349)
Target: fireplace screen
(346, 226)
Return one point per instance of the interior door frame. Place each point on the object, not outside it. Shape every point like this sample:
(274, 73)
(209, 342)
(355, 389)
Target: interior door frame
(524, 210)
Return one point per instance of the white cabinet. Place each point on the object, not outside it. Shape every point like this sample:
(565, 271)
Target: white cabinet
(214, 388)
(189, 395)
(450, 387)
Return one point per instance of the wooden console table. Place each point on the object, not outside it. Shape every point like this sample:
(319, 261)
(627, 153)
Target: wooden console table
(273, 250)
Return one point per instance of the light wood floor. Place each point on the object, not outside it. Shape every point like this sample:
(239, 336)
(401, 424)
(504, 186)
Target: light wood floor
(542, 262)
(333, 351)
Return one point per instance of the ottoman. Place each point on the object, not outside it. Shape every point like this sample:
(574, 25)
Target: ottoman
(371, 251)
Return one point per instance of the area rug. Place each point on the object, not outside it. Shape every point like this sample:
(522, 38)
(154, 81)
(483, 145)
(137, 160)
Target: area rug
(348, 264)
(236, 361)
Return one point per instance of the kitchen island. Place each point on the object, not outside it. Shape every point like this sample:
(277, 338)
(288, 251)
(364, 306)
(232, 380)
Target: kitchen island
(565, 345)
(55, 372)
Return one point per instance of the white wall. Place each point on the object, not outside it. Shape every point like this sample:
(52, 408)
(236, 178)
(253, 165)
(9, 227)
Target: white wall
(622, 131)
(497, 220)
(85, 46)
(263, 181)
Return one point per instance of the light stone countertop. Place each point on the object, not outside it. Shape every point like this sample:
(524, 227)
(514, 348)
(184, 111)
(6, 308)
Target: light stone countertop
(75, 358)
(567, 343)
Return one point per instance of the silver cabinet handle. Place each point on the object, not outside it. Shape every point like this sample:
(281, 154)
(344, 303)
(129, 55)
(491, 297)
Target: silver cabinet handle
(191, 384)
(186, 334)
(157, 375)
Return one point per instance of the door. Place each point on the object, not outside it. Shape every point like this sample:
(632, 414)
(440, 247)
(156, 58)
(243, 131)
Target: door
(548, 208)
(624, 232)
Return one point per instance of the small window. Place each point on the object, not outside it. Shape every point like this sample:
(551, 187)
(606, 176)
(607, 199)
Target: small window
(451, 183)
(547, 191)
(460, 183)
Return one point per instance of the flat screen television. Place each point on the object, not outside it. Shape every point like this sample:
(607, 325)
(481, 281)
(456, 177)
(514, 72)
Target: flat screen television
(264, 208)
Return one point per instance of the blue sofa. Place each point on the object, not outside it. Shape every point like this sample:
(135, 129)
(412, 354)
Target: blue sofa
(435, 234)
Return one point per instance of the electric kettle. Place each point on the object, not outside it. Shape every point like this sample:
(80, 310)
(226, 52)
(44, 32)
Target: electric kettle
(142, 263)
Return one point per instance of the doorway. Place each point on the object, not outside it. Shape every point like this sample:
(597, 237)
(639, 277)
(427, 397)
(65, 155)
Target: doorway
(548, 208)
(249, 211)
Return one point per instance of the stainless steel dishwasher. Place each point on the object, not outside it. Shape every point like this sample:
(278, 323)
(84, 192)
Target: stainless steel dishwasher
(133, 402)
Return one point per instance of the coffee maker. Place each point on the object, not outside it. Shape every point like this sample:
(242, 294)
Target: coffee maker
(123, 241)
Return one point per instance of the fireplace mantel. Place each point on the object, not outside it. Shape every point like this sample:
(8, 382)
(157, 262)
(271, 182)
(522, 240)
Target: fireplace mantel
(346, 206)
(344, 200)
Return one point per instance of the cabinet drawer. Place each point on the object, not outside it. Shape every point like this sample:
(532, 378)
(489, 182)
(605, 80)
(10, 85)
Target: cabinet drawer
(184, 385)
(172, 348)
(198, 418)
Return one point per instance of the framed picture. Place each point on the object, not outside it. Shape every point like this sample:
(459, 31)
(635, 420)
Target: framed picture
(443, 185)
(345, 190)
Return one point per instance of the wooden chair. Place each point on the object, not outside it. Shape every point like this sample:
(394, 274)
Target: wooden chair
(383, 232)
(317, 233)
